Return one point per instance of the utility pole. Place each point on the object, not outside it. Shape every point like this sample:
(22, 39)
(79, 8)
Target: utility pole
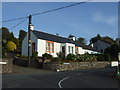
(29, 39)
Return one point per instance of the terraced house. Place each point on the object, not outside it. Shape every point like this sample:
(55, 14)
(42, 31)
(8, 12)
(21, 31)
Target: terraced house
(52, 44)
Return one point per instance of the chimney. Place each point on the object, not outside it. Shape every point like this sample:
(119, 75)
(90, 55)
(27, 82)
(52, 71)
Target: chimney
(31, 27)
(71, 37)
(91, 44)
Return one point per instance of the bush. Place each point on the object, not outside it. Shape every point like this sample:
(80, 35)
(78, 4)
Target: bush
(47, 56)
(11, 46)
(71, 57)
(34, 54)
(18, 55)
(86, 57)
(61, 55)
(104, 57)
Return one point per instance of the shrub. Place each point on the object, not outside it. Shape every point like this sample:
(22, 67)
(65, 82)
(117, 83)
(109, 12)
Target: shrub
(106, 57)
(11, 46)
(71, 57)
(61, 55)
(18, 55)
(34, 54)
(48, 56)
(86, 57)
(100, 58)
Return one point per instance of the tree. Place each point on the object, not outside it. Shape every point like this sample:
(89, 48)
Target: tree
(81, 40)
(113, 50)
(5, 33)
(16, 41)
(22, 34)
(11, 36)
(92, 40)
(106, 38)
(11, 46)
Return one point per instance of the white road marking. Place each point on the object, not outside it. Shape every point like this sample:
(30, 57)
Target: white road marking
(59, 84)
(62, 81)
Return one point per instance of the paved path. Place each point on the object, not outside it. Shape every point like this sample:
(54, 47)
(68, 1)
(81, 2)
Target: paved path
(96, 78)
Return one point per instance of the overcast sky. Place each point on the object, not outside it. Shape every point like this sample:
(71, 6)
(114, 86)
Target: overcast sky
(84, 20)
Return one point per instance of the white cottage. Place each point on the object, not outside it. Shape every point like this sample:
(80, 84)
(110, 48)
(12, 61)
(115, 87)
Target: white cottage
(52, 44)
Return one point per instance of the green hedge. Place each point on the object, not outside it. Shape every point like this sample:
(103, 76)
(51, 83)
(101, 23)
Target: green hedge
(85, 57)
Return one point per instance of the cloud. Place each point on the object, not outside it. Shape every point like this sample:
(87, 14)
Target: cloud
(111, 20)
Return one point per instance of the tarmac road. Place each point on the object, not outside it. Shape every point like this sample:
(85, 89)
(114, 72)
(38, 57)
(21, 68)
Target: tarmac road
(95, 78)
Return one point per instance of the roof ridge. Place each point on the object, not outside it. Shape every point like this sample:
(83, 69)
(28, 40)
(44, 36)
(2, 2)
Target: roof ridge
(51, 34)
(105, 40)
(69, 41)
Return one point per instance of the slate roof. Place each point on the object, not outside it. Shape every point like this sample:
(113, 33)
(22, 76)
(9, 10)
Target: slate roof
(106, 41)
(56, 38)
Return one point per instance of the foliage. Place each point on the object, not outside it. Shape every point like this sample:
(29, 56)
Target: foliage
(103, 57)
(71, 57)
(47, 56)
(86, 57)
(100, 58)
(11, 46)
(8, 36)
(18, 55)
(35, 54)
(3, 51)
(16, 41)
(113, 51)
(22, 35)
(106, 38)
(81, 40)
(22, 56)
(5, 33)
(61, 55)
(92, 40)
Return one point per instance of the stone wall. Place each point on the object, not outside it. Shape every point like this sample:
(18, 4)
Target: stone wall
(6, 68)
(74, 65)
(24, 62)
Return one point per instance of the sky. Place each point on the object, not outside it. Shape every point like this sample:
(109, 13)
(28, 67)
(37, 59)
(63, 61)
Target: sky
(84, 20)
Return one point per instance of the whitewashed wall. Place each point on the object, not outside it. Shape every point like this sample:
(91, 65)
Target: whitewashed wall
(80, 50)
(41, 47)
(71, 45)
(25, 44)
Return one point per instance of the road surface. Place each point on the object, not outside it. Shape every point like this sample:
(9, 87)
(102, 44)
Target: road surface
(94, 78)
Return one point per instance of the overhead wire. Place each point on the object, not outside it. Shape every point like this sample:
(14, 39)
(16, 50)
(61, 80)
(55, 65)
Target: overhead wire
(18, 24)
(57, 8)
(46, 11)
(14, 19)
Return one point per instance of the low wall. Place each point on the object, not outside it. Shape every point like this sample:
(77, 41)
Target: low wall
(24, 62)
(6, 68)
(74, 65)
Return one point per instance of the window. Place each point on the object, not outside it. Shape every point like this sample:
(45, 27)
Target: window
(49, 46)
(72, 50)
(63, 49)
(69, 49)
